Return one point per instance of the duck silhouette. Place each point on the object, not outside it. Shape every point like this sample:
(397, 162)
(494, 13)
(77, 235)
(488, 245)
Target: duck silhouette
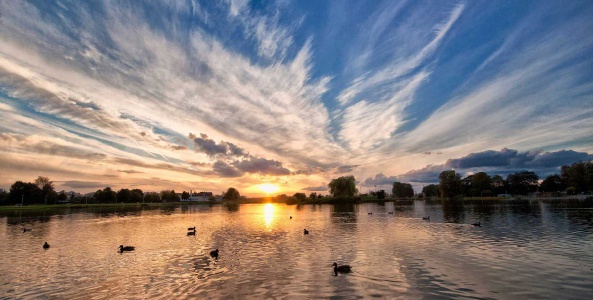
(370, 213)
(192, 228)
(46, 246)
(123, 248)
(477, 224)
(341, 269)
(291, 217)
(426, 218)
(191, 233)
(390, 213)
(305, 231)
(214, 254)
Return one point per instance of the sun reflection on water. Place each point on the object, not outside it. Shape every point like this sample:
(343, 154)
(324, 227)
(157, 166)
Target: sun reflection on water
(269, 213)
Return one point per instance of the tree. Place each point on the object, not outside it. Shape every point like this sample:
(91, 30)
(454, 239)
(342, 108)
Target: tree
(522, 183)
(232, 194)
(169, 196)
(343, 186)
(498, 185)
(62, 196)
(124, 195)
(109, 196)
(467, 186)
(381, 194)
(106, 195)
(3, 197)
(25, 193)
(99, 196)
(185, 195)
(281, 198)
(137, 195)
(579, 176)
(402, 190)
(450, 184)
(300, 196)
(313, 195)
(431, 190)
(552, 183)
(46, 186)
(481, 182)
(152, 197)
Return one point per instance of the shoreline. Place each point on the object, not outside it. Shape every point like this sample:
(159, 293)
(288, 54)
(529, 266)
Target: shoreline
(327, 200)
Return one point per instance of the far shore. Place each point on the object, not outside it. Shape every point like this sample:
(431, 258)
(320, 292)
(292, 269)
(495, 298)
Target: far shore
(259, 200)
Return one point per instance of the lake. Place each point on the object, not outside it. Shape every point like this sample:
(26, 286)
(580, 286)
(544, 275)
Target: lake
(524, 249)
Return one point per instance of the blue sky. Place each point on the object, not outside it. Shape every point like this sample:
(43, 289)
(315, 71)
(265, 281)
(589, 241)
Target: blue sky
(205, 95)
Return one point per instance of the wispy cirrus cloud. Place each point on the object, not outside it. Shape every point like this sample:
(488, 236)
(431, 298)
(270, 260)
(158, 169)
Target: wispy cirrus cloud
(380, 97)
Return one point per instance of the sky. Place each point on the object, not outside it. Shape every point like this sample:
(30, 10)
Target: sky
(207, 95)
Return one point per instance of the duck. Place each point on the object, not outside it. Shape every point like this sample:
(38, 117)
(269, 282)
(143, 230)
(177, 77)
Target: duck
(370, 213)
(291, 217)
(214, 254)
(390, 213)
(191, 233)
(426, 218)
(477, 224)
(305, 231)
(46, 246)
(192, 228)
(341, 269)
(123, 248)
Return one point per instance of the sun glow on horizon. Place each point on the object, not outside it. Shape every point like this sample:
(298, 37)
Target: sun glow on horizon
(268, 188)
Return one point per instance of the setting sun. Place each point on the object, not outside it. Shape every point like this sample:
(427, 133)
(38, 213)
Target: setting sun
(268, 188)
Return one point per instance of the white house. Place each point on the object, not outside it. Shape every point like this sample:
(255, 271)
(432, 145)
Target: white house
(199, 197)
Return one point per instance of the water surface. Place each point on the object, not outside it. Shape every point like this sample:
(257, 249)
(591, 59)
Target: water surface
(523, 250)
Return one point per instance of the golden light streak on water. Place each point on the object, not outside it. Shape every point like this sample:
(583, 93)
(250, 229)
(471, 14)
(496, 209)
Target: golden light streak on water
(269, 214)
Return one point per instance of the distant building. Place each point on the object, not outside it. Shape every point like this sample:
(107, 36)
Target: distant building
(200, 197)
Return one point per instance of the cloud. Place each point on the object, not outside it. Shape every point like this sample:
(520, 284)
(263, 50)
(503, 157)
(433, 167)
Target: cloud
(380, 179)
(513, 159)
(77, 184)
(198, 164)
(221, 168)
(130, 171)
(345, 168)
(503, 162)
(261, 166)
(381, 97)
(155, 165)
(273, 40)
(54, 147)
(209, 146)
(321, 188)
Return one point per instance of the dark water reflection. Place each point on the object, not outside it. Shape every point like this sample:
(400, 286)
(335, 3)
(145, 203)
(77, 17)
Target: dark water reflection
(524, 249)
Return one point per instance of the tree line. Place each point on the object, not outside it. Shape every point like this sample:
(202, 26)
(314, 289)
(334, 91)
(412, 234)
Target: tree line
(42, 191)
(573, 179)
